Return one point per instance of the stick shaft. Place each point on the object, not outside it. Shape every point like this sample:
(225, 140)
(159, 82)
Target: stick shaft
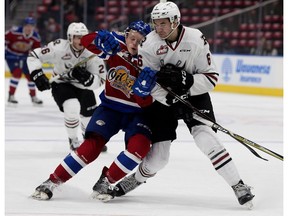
(58, 76)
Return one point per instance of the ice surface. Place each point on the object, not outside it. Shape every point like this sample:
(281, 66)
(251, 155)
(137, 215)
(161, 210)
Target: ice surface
(36, 142)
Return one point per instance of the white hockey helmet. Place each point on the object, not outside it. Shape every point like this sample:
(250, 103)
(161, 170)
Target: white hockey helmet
(76, 29)
(166, 10)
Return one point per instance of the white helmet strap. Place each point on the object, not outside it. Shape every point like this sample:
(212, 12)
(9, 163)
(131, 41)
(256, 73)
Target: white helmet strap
(172, 30)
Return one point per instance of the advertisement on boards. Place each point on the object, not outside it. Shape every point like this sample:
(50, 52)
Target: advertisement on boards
(250, 74)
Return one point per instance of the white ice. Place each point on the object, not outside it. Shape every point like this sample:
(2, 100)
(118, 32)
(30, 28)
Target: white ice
(36, 142)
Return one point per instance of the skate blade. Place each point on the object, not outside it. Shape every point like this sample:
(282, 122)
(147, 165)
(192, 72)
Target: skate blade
(249, 205)
(101, 197)
(104, 197)
(39, 196)
(14, 105)
(37, 105)
(94, 195)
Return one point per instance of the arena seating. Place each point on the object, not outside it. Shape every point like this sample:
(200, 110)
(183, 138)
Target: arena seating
(246, 33)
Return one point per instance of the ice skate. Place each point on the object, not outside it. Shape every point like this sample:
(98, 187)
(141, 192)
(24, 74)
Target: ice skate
(244, 195)
(45, 190)
(74, 143)
(126, 185)
(103, 190)
(12, 100)
(36, 101)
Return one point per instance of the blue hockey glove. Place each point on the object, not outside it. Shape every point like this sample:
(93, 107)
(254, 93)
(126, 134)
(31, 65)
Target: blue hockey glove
(107, 42)
(145, 82)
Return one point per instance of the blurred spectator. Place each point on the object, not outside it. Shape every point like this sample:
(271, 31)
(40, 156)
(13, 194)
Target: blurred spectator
(258, 50)
(253, 16)
(226, 48)
(68, 6)
(69, 12)
(277, 8)
(264, 47)
(79, 9)
(52, 29)
(268, 49)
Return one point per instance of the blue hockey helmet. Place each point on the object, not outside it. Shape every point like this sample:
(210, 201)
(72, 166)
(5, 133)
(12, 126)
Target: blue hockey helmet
(139, 26)
(29, 21)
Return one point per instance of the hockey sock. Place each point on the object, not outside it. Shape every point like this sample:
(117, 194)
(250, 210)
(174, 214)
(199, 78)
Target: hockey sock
(210, 145)
(137, 148)
(16, 75)
(71, 108)
(31, 85)
(71, 126)
(142, 174)
(84, 123)
(88, 151)
(230, 173)
(156, 159)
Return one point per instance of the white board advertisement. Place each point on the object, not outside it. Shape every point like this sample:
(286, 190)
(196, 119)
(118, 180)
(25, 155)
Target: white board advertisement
(253, 74)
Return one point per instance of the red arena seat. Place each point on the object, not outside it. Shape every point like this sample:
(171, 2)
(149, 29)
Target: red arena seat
(277, 43)
(235, 34)
(268, 35)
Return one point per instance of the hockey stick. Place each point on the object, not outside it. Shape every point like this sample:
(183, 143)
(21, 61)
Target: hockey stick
(198, 115)
(59, 76)
(209, 122)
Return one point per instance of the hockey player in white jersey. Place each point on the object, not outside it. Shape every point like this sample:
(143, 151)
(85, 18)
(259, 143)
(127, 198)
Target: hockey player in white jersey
(185, 65)
(73, 83)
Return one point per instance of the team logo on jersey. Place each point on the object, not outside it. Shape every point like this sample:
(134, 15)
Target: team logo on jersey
(67, 56)
(68, 66)
(162, 50)
(22, 46)
(100, 122)
(121, 79)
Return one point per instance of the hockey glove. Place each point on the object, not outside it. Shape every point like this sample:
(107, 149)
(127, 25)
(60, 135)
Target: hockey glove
(106, 42)
(181, 111)
(170, 99)
(145, 82)
(82, 75)
(176, 78)
(40, 80)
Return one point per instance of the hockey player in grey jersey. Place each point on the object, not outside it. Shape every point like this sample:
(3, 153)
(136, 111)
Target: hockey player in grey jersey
(184, 63)
(73, 91)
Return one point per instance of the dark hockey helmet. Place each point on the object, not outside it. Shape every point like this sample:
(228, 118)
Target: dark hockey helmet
(139, 26)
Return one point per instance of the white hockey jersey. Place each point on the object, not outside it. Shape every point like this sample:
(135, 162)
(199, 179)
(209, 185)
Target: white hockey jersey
(60, 54)
(191, 52)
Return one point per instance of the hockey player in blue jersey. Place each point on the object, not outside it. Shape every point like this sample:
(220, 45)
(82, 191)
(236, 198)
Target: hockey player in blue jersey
(119, 110)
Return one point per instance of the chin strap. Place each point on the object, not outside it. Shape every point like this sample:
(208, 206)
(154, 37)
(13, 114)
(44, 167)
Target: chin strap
(75, 51)
(173, 29)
